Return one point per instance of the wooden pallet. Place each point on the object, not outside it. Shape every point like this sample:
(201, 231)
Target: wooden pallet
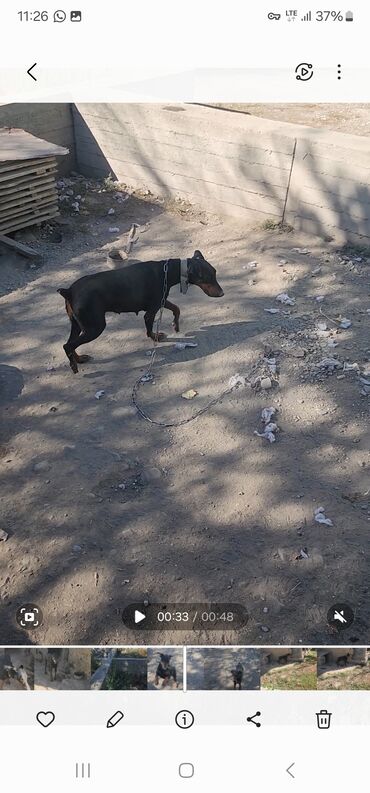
(28, 193)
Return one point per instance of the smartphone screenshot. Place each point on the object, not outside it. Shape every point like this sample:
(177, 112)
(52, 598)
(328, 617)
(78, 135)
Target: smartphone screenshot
(184, 396)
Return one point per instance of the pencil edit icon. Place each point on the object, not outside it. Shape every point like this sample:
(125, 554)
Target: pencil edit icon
(115, 719)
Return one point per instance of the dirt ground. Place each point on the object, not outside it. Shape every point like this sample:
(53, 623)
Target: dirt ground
(353, 119)
(104, 509)
(211, 669)
(294, 676)
(348, 678)
(16, 657)
(62, 683)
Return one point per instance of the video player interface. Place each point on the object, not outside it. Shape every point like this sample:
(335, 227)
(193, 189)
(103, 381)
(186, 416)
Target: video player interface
(184, 386)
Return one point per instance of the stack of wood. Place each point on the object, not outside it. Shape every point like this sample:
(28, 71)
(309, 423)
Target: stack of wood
(28, 192)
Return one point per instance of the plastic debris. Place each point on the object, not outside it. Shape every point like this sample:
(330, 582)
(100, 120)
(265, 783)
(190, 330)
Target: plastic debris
(250, 266)
(330, 364)
(111, 211)
(3, 535)
(266, 383)
(267, 414)
(345, 323)
(322, 326)
(113, 229)
(189, 394)
(320, 298)
(237, 380)
(181, 345)
(320, 517)
(99, 394)
(332, 343)
(282, 262)
(303, 554)
(75, 206)
(270, 427)
(316, 271)
(272, 365)
(272, 310)
(284, 298)
(146, 378)
(302, 251)
(350, 367)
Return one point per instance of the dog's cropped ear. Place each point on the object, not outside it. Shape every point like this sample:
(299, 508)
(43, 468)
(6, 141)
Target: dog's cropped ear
(198, 255)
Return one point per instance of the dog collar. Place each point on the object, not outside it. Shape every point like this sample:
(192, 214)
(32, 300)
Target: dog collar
(184, 276)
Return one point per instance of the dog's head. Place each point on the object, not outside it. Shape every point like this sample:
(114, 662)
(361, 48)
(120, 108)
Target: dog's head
(201, 273)
(165, 660)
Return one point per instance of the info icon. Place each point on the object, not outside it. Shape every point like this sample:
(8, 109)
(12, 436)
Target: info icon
(29, 616)
(340, 616)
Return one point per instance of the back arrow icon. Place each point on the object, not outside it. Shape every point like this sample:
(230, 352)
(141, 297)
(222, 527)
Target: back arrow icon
(30, 70)
(289, 771)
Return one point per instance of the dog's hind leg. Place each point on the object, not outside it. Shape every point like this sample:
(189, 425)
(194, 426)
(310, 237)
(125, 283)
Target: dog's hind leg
(176, 314)
(86, 335)
(73, 336)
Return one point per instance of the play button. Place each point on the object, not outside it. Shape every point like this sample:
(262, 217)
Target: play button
(139, 617)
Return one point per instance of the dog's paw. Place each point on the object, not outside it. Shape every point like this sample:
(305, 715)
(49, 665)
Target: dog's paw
(158, 337)
(83, 358)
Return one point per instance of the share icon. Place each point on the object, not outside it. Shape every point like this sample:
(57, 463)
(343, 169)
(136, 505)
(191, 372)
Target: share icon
(251, 719)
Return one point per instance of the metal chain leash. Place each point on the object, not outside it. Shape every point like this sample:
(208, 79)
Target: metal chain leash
(148, 376)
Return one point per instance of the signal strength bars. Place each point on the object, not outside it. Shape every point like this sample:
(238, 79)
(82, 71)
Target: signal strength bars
(307, 17)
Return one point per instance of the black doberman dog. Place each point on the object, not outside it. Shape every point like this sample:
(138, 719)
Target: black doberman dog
(237, 674)
(133, 288)
(165, 671)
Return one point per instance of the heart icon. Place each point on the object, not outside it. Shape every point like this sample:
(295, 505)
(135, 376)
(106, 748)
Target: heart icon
(45, 718)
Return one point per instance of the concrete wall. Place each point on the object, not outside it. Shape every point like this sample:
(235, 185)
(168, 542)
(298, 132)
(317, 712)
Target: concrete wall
(52, 122)
(232, 163)
(229, 163)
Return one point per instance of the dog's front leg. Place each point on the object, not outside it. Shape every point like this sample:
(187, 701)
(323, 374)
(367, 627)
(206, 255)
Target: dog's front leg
(149, 318)
(176, 314)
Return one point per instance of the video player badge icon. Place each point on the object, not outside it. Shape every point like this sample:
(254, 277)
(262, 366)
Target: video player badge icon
(304, 71)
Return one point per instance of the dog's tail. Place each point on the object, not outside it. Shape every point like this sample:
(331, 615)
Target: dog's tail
(66, 293)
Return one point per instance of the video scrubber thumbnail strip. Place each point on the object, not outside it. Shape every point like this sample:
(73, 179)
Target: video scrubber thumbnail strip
(162, 668)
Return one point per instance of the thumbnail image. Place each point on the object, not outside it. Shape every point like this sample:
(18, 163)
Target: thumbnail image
(16, 669)
(119, 669)
(343, 668)
(164, 668)
(62, 669)
(223, 668)
(288, 668)
(161, 263)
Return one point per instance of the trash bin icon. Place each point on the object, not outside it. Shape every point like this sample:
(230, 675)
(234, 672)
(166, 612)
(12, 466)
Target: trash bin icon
(349, 16)
(323, 719)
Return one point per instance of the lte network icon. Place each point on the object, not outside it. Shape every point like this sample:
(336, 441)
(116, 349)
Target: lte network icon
(76, 16)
